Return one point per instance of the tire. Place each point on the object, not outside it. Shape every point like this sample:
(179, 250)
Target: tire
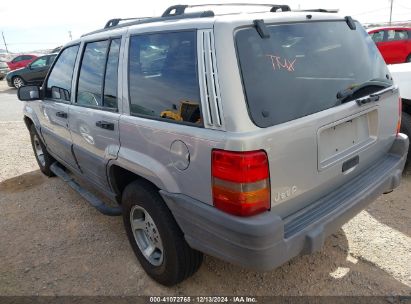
(406, 128)
(176, 261)
(408, 58)
(18, 82)
(43, 158)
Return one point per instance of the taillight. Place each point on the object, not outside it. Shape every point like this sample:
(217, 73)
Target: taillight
(241, 182)
(399, 115)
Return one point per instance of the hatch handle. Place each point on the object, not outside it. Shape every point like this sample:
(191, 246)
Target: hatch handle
(350, 164)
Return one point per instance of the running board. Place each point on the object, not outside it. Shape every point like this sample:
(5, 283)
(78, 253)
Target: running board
(90, 198)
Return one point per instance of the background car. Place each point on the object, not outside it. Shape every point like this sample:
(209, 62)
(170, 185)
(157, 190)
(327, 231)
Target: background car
(20, 61)
(394, 43)
(4, 69)
(402, 77)
(34, 73)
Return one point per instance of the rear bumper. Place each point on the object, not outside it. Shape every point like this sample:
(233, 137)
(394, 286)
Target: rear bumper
(266, 241)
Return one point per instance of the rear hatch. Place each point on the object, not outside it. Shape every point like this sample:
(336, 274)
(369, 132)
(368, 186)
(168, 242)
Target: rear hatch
(325, 101)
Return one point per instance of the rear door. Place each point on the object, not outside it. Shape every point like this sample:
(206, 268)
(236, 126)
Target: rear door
(396, 45)
(53, 109)
(297, 85)
(94, 115)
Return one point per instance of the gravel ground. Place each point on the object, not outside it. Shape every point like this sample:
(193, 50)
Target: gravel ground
(53, 243)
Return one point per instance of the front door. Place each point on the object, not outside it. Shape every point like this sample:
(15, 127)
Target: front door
(94, 116)
(53, 109)
(38, 70)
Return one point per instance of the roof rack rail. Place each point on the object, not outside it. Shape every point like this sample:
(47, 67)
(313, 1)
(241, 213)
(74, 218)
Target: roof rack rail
(116, 21)
(318, 10)
(179, 9)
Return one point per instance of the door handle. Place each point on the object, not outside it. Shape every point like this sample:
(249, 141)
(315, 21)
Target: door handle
(61, 114)
(105, 125)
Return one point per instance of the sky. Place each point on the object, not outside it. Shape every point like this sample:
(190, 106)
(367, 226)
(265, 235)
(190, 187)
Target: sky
(45, 24)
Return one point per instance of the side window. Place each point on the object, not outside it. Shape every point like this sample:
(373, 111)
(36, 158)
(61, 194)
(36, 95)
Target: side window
(401, 35)
(378, 36)
(111, 77)
(40, 62)
(163, 78)
(59, 82)
(97, 72)
(17, 59)
(390, 35)
(91, 74)
(394, 35)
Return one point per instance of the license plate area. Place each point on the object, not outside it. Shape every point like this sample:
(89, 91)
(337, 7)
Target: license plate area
(342, 139)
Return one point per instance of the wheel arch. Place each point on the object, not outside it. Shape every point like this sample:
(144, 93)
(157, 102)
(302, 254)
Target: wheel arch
(30, 118)
(28, 121)
(119, 176)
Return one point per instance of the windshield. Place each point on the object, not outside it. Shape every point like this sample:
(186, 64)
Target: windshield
(300, 69)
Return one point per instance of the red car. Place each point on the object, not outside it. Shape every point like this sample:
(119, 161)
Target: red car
(394, 43)
(20, 61)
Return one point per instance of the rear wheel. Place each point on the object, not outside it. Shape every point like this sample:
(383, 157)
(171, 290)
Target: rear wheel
(408, 58)
(43, 158)
(406, 127)
(155, 237)
(18, 82)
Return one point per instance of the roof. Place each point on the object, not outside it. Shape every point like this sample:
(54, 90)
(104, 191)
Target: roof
(388, 28)
(207, 20)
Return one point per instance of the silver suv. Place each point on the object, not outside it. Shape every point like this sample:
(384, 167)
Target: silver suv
(248, 137)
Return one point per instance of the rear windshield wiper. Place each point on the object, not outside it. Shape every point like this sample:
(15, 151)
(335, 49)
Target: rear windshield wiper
(346, 95)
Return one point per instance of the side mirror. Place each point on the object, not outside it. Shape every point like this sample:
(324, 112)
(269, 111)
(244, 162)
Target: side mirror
(28, 93)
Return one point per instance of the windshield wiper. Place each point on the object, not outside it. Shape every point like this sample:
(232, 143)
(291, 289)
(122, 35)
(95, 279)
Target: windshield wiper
(345, 94)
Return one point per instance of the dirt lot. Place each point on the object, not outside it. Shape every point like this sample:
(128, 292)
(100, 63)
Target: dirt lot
(53, 243)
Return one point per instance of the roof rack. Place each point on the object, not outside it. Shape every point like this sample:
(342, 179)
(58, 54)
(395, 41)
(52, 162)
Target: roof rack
(178, 10)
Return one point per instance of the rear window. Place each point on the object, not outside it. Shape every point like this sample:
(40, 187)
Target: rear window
(301, 67)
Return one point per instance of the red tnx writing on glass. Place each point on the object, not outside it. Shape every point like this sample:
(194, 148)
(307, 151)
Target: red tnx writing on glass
(280, 63)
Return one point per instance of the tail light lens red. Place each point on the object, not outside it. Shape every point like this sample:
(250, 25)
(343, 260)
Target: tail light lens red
(241, 182)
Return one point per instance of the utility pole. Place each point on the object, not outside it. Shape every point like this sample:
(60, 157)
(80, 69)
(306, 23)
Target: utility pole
(4, 40)
(71, 37)
(392, 2)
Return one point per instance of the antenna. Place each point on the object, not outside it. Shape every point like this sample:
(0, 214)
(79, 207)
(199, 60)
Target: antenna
(5, 44)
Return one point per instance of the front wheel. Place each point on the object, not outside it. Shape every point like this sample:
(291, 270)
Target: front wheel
(408, 58)
(18, 82)
(43, 158)
(155, 237)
